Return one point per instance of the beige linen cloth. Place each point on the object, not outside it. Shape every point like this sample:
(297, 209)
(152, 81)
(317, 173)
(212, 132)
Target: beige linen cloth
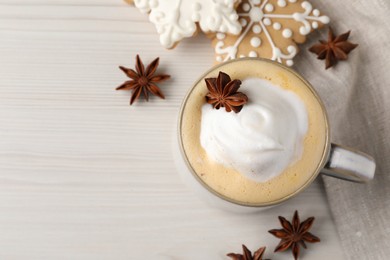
(356, 94)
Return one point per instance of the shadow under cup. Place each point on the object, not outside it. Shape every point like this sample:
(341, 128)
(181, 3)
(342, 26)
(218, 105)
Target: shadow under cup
(228, 188)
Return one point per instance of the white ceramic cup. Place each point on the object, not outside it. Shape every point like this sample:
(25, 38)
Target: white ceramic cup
(337, 161)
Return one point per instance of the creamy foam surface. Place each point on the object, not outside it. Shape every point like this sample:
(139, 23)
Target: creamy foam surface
(261, 140)
(228, 182)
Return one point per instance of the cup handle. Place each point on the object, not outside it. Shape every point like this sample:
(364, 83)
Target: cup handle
(349, 164)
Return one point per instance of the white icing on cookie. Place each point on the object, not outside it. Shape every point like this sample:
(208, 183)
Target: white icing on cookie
(253, 54)
(256, 29)
(305, 16)
(143, 5)
(282, 3)
(246, 7)
(256, 14)
(261, 15)
(267, 21)
(255, 42)
(243, 22)
(176, 19)
(221, 36)
(287, 33)
(269, 7)
(277, 26)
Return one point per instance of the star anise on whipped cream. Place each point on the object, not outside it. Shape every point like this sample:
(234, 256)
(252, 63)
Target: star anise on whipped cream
(143, 80)
(247, 255)
(294, 234)
(223, 93)
(333, 50)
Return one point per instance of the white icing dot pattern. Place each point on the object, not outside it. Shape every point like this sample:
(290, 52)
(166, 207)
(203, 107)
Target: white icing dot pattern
(287, 33)
(282, 3)
(267, 21)
(269, 8)
(259, 16)
(255, 42)
(243, 22)
(277, 26)
(246, 7)
(256, 29)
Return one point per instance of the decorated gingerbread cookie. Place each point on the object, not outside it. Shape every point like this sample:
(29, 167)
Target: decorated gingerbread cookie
(178, 19)
(271, 29)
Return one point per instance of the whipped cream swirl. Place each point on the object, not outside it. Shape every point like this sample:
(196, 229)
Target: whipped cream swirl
(264, 138)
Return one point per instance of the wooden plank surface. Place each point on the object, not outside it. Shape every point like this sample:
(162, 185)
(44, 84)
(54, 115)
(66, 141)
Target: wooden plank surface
(85, 176)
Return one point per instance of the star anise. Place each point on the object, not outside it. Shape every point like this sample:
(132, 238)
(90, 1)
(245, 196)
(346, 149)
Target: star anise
(333, 50)
(294, 234)
(143, 81)
(247, 255)
(223, 93)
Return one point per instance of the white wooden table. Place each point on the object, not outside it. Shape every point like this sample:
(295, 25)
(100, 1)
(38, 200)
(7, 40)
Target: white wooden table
(85, 176)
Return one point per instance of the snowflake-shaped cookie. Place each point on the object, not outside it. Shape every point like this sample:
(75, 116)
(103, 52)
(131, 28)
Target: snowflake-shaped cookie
(178, 19)
(271, 29)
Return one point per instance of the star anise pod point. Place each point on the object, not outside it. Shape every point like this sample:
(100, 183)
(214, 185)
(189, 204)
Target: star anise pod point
(143, 81)
(223, 93)
(247, 255)
(334, 49)
(294, 234)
